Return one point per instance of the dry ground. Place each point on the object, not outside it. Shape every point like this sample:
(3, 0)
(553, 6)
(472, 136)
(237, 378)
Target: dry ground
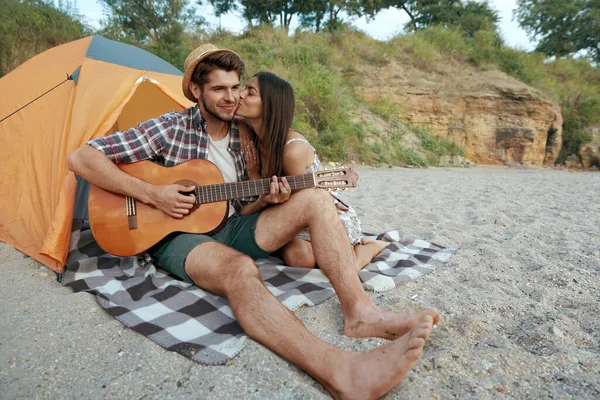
(520, 302)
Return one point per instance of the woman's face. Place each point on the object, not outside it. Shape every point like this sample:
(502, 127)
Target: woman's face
(250, 106)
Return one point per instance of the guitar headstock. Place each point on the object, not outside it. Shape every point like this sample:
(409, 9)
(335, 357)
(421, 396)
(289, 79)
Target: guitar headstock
(339, 178)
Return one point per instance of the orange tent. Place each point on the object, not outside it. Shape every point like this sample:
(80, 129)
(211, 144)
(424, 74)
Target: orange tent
(51, 105)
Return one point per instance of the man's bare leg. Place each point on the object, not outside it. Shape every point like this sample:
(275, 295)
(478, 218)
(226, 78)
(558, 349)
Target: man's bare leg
(279, 224)
(345, 375)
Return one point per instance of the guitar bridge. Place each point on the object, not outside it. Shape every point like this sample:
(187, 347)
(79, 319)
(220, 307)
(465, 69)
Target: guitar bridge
(131, 212)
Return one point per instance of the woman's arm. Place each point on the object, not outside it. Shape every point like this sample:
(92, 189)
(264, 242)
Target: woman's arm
(252, 208)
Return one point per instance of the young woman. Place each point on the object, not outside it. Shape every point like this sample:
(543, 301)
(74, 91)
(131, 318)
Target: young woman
(267, 104)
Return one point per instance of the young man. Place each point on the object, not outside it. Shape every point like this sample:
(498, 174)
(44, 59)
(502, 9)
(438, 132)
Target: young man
(223, 263)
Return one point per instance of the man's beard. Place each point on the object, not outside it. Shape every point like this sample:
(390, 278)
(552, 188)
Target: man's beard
(215, 113)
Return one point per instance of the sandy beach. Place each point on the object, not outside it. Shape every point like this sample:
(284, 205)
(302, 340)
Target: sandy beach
(520, 303)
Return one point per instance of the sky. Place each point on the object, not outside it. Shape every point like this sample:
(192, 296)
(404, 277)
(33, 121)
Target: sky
(385, 25)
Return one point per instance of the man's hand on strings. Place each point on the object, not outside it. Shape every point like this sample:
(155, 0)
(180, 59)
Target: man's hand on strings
(174, 200)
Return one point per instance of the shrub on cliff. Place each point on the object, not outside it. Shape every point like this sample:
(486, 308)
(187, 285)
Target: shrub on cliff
(572, 83)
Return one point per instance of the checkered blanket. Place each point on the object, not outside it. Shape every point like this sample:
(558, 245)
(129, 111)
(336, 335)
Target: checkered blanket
(197, 324)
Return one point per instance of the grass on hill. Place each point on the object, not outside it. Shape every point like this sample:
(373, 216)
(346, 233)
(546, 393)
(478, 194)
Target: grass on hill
(330, 112)
(323, 69)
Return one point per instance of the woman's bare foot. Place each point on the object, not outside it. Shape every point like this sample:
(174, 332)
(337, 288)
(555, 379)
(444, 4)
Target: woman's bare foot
(376, 322)
(366, 250)
(370, 375)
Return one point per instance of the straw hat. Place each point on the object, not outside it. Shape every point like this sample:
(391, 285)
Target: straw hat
(199, 54)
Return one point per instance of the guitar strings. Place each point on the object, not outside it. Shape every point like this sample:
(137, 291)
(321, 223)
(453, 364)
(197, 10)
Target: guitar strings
(231, 190)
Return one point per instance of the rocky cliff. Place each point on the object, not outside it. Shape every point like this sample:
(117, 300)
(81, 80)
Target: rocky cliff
(496, 118)
(589, 153)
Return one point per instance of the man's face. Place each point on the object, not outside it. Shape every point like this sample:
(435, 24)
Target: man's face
(220, 95)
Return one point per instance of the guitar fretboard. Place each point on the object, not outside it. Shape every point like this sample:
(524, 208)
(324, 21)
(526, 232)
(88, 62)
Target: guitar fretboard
(236, 190)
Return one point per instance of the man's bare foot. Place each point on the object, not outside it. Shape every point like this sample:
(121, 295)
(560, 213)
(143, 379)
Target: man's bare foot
(371, 375)
(376, 322)
(366, 250)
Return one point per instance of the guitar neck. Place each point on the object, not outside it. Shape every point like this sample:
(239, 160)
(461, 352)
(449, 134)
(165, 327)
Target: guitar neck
(236, 190)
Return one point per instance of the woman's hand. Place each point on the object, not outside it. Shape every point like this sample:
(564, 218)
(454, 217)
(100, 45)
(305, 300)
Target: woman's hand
(252, 161)
(280, 192)
(248, 148)
(340, 204)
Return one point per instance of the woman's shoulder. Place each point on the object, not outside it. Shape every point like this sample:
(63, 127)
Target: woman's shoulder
(296, 142)
(296, 138)
(298, 152)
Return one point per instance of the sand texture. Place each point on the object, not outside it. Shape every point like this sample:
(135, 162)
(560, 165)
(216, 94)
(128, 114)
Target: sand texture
(520, 302)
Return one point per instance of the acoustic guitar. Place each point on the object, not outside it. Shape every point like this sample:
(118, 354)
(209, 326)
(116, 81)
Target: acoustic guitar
(124, 226)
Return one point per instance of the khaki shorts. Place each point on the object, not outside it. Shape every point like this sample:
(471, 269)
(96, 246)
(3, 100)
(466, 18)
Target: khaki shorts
(238, 233)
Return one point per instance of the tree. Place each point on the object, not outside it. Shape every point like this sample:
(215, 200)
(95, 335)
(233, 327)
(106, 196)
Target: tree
(372, 7)
(563, 27)
(258, 11)
(269, 11)
(474, 16)
(157, 26)
(311, 13)
(471, 15)
(29, 27)
(148, 21)
(320, 14)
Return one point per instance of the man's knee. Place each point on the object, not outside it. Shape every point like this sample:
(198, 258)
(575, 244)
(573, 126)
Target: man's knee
(314, 199)
(240, 270)
(226, 270)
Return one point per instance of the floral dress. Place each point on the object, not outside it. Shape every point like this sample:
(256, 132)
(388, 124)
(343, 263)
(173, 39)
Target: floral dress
(349, 218)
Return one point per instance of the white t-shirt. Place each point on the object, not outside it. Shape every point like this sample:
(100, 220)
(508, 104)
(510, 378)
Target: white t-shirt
(218, 155)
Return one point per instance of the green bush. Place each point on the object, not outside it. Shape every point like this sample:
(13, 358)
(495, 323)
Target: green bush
(383, 107)
(435, 147)
(30, 27)
(416, 50)
(575, 85)
(447, 41)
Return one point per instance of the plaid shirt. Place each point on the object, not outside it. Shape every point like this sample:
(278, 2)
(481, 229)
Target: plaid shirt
(169, 140)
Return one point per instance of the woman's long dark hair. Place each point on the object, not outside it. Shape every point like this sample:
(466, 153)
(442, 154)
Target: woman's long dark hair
(278, 104)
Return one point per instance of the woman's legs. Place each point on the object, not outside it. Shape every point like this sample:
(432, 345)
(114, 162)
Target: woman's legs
(299, 253)
(366, 250)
